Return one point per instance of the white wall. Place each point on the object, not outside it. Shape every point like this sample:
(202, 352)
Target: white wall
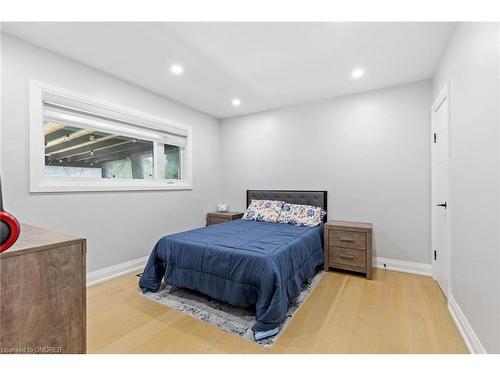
(119, 226)
(471, 65)
(370, 151)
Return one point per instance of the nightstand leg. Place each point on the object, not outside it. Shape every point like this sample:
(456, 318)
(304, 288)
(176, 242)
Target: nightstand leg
(369, 273)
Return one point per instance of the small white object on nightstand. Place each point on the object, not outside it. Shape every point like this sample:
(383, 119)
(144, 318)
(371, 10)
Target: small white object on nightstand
(222, 207)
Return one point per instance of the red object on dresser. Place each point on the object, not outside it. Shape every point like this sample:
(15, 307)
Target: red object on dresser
(9, 227)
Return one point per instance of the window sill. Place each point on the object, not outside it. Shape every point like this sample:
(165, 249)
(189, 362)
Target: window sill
(58, 186)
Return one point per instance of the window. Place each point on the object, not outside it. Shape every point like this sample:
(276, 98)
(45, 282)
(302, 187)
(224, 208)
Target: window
(172, 162)
(79, 152)
(79, 145)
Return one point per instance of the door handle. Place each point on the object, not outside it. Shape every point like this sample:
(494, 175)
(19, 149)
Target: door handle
(444, 205)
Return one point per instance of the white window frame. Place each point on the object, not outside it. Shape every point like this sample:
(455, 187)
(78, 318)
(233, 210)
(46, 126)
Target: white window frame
(41, 183)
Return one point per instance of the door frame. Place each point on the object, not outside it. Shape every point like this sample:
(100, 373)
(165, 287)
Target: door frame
(444, 95)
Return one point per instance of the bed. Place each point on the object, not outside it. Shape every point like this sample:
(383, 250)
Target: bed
(243, 262)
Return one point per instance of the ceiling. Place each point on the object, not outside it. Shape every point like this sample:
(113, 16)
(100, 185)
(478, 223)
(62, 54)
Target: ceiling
(266, 65)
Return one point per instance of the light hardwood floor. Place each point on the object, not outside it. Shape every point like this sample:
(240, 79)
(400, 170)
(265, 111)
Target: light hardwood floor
(393, 313)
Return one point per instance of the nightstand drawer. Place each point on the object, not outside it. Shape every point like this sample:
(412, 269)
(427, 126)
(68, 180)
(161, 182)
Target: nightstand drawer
(349, 239)
(216, 220)
(350, 257)
(222, 217)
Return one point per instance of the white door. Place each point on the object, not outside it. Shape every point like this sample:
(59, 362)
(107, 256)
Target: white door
(440, 169)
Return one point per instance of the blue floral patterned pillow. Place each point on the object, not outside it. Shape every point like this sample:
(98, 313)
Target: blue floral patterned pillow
(301, 215)
(263, 210)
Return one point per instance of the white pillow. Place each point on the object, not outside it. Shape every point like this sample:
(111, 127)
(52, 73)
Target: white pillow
(301, 215)
(263, 210)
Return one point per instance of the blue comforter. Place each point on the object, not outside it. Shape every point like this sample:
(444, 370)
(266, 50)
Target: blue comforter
(239, 262)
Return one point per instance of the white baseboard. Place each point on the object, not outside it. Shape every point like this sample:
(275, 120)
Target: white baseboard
(112, 272)
(423, 269)
(468, 334)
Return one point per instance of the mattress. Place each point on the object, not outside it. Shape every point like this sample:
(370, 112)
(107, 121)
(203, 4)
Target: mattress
(239, 262)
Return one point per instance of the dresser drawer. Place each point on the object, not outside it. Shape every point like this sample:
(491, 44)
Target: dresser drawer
(349, 239)
(350, 257)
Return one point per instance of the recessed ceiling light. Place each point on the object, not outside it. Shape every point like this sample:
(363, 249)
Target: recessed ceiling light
(236, 102)
(357, 73)
(176, 69)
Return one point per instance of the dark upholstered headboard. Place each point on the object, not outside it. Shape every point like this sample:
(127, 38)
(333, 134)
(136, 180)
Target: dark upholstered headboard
(316, 198)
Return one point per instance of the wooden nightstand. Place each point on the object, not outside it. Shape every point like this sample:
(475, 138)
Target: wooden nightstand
(348, 246)
(221, 217)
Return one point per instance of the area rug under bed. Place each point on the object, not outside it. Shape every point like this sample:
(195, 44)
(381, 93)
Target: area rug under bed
(235, 320)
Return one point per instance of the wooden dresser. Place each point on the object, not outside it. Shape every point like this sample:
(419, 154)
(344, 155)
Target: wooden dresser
(220, 217)
(348, 246)
(43, 294)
